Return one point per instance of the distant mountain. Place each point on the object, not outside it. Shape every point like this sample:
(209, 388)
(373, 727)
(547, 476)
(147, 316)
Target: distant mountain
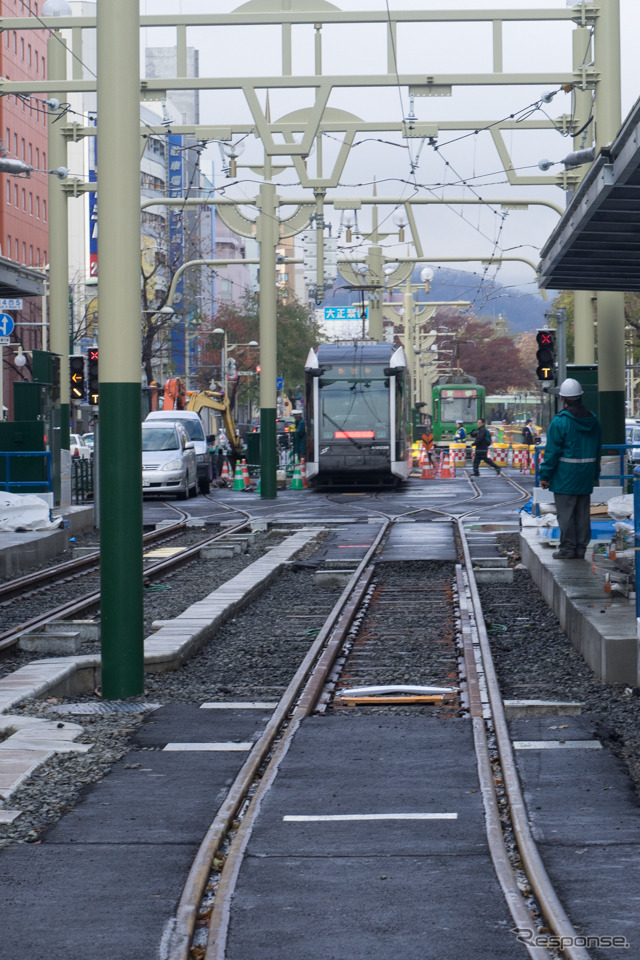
(522, 311)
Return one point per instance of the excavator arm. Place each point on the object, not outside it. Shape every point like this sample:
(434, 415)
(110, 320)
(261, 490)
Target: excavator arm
(218, 401)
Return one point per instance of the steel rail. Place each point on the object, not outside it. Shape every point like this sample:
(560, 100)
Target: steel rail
(91, 601)
(49, 575)
(541, 885)
(495, 835)
(297, 701)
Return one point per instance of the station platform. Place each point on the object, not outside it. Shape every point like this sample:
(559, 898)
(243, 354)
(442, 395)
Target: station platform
(602, 627)
(21, 550)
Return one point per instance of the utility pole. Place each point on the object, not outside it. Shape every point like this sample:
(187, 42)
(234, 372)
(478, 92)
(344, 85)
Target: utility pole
(611, 319)
(267, 236)
(118, 24)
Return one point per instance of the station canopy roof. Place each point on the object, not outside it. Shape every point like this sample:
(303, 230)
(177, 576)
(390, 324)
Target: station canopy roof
(19, 281)
(596, 244)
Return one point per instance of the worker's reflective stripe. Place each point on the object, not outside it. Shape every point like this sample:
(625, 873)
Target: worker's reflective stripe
(572, 460)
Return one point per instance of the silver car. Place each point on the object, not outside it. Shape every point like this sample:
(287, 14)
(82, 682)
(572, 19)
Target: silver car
(168, 461)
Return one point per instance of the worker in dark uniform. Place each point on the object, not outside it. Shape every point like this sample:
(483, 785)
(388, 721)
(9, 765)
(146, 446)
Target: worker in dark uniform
(482, 442)
(571, 468)
(299, 435)
(527, 434)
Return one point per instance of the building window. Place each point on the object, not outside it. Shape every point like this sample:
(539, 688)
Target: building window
(17, 257)
(38, 256)
(24, 199)
(30, 154)
(44, 159)
(37, 208)
(38, 157)
(29, 54)
(9, 245)
(30, 255)
(8, 193)
(37, 61)
(15, 194)
(22, 47)
(22, 146)
(30, 204)
(24, 252)
(15, 145)
(44, 211)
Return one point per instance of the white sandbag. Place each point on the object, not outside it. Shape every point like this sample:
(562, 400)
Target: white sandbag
(24, 512)
(621, 508)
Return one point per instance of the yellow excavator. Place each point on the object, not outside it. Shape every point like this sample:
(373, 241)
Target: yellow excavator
(209, 399)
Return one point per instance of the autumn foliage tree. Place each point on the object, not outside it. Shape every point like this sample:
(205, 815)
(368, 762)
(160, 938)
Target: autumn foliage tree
(484, 350)
(296, 333)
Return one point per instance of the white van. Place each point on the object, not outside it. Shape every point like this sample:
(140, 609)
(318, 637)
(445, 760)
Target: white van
(193, 425)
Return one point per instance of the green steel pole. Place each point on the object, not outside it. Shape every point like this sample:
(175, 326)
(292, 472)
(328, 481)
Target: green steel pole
(58, 239)
(118, 32)
(611, 319)
(267, 235)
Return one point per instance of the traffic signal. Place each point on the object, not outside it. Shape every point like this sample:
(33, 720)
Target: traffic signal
(546, 354)
(77, 379)
(94, 383)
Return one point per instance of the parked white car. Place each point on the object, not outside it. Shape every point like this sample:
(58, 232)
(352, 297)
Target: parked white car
(78, 447)
(168, 460)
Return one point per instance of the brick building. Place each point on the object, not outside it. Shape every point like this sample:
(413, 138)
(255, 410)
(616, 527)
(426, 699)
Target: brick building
(24, 228)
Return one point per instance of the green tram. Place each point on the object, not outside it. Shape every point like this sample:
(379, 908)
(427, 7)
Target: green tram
(453, 400)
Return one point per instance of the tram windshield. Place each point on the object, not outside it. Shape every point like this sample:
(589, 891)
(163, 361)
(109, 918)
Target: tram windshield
(354, 404)
(459, 404)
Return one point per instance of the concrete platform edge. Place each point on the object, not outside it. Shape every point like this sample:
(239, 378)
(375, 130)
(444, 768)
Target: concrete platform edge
(608, 643)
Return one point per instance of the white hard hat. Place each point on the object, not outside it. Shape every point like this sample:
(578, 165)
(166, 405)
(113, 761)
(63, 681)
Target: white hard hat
(296, 413)
(459, 421)
(570, 388)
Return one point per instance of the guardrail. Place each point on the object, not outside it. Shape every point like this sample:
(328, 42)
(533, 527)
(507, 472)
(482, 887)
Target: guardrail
(81, 479)
(619, 449)
(8, 484)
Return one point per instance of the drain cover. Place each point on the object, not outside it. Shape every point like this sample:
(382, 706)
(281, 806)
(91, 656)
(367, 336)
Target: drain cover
(80, 709)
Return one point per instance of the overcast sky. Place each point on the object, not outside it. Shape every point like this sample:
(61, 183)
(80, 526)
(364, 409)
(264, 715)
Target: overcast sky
(422, 49)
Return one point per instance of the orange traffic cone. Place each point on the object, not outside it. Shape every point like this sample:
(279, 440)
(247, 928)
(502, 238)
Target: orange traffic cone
(445, 470)
(428, 470)
(452, 465)
(303, 473)
(225, 471)
(245, 474)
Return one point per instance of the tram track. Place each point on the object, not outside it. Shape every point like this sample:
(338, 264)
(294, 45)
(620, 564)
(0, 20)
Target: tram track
(59, 576)
(313, 689)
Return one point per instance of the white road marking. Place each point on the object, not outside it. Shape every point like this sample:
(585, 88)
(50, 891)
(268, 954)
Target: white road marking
(211, 747)
(557, 745)
(369, 816)
(247, 705)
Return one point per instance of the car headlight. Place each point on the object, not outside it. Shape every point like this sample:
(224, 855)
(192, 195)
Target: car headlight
(201, 457)
(172, 465)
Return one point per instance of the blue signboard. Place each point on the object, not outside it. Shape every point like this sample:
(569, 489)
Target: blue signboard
(6, 324)
(345, 313)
